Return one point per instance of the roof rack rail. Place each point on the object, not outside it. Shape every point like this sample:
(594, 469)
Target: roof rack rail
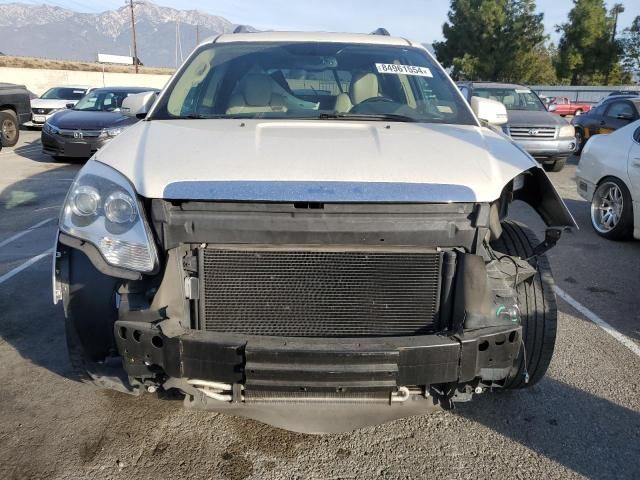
(242, 29)
(381, 31)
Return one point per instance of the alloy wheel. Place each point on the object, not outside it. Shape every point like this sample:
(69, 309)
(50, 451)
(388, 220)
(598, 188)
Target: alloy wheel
(606, 207)
(8, 130)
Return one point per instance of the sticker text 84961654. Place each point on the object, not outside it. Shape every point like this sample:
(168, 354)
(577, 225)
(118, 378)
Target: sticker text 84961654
(403, 69)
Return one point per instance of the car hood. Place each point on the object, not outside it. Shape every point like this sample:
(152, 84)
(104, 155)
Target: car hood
(83, 120)
(531, 118)
(309, 160)
(50, 103)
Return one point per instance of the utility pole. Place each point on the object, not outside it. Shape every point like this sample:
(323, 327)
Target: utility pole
(617, 9)
(133, 32)
(197, 34)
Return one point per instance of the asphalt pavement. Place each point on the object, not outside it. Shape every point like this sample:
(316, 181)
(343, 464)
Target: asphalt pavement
(581, 421)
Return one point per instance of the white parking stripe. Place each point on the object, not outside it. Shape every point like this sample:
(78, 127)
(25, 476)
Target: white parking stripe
(623, 339)
(25, 265)
(24, 232)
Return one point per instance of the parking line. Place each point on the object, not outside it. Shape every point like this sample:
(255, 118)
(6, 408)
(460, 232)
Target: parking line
(24, 232)
(25, 265)
(623, 339)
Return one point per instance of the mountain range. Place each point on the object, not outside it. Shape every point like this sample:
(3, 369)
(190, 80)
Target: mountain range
(47, 31)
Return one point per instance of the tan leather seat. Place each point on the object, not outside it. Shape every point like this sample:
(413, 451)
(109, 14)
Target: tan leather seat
(256, 96)
(509, 100)
(363, 87)
(343, 103)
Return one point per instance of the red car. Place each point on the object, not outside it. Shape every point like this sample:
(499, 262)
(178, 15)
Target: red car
(563, 106)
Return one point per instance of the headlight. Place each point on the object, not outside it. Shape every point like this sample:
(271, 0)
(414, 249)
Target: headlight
(47, 127)
(103, 209)
(567, 131)
(112, 132)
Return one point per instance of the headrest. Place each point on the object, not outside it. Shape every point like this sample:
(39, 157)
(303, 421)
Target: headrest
(257, 90)
(363, 86)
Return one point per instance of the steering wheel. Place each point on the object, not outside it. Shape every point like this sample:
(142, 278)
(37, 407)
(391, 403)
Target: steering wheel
(370, 101)
(376, 100)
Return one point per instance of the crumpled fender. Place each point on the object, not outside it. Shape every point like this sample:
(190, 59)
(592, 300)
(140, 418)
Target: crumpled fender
(538, 191)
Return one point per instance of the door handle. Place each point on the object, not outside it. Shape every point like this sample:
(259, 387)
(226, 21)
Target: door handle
(602, 122)
(636, 162)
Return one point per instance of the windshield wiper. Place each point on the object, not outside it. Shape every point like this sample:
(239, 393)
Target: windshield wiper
(394, 117)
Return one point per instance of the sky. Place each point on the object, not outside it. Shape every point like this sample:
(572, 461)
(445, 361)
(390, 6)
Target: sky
(419, 20)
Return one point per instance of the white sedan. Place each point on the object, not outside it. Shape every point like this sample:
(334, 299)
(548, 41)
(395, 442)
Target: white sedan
(608, 176)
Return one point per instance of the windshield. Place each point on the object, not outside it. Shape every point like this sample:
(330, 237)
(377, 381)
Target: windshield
(512, 98)
(64, 93)
(102, 101)
(313, 80)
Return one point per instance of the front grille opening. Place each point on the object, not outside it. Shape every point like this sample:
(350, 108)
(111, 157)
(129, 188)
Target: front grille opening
(289, 292)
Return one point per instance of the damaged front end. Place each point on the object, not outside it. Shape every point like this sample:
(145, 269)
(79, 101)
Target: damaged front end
(310, 316)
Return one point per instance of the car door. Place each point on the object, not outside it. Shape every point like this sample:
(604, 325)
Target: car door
(617, 115)
(590, 122)
(634, 165)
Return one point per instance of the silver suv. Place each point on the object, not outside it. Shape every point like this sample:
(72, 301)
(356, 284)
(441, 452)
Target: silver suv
(309, 229)
(549, 138)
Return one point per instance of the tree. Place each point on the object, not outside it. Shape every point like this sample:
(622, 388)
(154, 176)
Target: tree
(587, 49)
(501, 40)
(631, 47)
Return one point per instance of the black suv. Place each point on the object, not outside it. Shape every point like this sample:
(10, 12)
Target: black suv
(15, 109)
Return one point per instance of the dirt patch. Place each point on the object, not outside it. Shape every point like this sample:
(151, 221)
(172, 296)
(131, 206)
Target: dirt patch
(234, 464)
(270, 441)
(48, 64)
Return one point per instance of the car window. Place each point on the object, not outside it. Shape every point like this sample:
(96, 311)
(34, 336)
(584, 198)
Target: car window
(620, 108)
(64, 93)
(309, 80)
(636, 135)
(512, 98)
(102, 101)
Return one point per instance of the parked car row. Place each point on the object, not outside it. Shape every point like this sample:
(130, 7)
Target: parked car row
(75, 119)
(81, 129)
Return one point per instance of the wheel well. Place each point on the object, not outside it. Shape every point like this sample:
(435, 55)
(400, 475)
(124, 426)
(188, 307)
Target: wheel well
(9, 107)
(610, 177)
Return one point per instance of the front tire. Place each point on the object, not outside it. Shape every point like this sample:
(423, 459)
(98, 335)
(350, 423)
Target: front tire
(538, 307)
(612, 210)
(9, 128)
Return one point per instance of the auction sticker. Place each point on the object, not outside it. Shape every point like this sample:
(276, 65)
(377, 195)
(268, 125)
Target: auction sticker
(403, 69)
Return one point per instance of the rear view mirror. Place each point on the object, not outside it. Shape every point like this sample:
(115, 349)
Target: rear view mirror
(491, 111)
(138, 104)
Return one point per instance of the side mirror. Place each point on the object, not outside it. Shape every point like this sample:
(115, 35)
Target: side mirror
(138, 104)
(69, 105)
(491, 111)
